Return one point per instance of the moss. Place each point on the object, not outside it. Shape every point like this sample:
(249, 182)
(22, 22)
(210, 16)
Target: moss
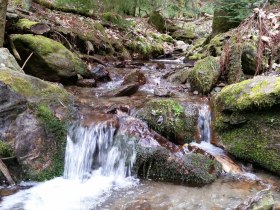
(216, 44)
(5, 149)
(158, 163)
(43, 45)
(117, 20)
(184, 34)
(234, 68)
(259, 92)
(34, 88)
(57, 130)
(197, 56)
(156, 19)
(145, 48)
(168, 117)
(25, 24)
(255, 140)
(205, 74)
(162, 37)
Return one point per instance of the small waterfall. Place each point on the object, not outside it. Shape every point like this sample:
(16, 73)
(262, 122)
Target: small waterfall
(95, 147)
(96, 163)
(204, 123)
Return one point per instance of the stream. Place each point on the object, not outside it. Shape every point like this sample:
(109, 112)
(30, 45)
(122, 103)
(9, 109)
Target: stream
(98, 166)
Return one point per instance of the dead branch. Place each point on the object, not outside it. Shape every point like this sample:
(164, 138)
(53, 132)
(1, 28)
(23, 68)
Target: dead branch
(6, 173)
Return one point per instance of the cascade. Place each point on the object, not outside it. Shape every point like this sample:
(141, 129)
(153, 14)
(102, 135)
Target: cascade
(96, 162)
(204, 123)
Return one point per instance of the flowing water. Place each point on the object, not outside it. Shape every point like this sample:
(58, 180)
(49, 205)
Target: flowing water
(96, 164)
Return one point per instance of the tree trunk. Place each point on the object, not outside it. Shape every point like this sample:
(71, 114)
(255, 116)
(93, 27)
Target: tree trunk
(3, 11)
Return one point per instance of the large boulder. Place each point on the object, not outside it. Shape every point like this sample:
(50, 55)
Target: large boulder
(204, 75)
(247, 120)
(8, 60)
(159, 159)
(170, 119)
(161, 23)
(50, 60)
(32, 122)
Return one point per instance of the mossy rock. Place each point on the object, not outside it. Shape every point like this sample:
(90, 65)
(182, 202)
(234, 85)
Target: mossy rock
(50, 60)
(179, 77)
(204, 75)
(216, 45)
(234, 68)
(162, 24)
(251, 136)
(185, 35)
(222, 23)
(260, 92)
(159, 164)
(35, 113)
(170, 119)
(34, 89)
(145, 48)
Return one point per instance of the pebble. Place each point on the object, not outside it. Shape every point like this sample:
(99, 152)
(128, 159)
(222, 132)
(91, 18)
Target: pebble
(195, 92)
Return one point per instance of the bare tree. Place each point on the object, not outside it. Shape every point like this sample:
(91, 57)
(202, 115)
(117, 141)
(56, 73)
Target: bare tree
(3, 11)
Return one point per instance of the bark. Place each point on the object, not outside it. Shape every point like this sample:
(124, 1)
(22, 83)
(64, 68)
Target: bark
(3, 11)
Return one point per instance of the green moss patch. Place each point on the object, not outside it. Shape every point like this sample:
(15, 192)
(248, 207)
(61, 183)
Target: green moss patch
(205, 74)
(259, 92)
(168, 118)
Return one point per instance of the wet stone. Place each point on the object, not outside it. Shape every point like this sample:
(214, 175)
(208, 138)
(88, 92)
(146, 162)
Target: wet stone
(125, 90)
(100, 73)
(162, 92)
(86, 83)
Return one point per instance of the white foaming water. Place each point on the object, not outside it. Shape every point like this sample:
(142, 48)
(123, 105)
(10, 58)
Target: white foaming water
(204, 123)
(95, 165)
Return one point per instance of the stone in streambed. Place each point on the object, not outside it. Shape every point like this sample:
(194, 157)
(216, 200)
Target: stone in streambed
(86, 83)
(125, 90)
(135, 76)
(170, 119)
(162, 92)
(100, 73)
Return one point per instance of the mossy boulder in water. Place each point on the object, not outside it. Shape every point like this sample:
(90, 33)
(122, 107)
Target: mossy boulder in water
(247, 120)
(34, 112)
(160, 164)
(169, 118)
(50, 60)
(204, 75)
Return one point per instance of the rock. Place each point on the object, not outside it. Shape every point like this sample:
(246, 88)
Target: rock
(179, 77)
(234, 66)
(186, 35)
(159, 159)
(204, 74)
(86, 83)
(181, 46)
(8, 60)
(217, 89)
(249, 58)
(139, 205)
(160, 164)
(216, 44)
(222, 23)
(100, 73)
(263, 200)
(29, 107)
(125, 90)
(135, 76)
(161, 23)
(50, 60)
(162, 92)
(178, 125)
(144, 48)
(247, 120)
(195, 92)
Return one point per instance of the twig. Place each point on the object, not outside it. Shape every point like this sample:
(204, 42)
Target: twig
(26, 61)
(14, 50)
(90, 57)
